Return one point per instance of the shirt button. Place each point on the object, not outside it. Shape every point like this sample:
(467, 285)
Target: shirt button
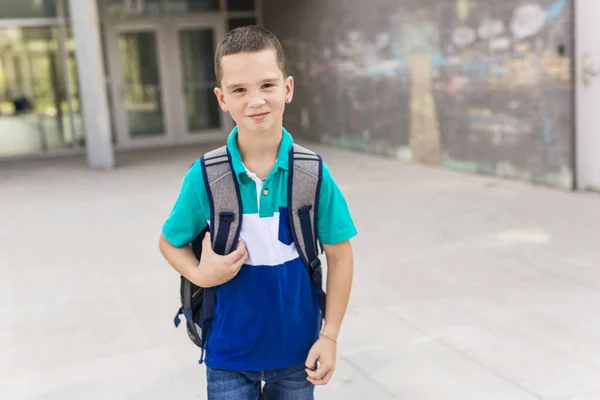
(266, 192)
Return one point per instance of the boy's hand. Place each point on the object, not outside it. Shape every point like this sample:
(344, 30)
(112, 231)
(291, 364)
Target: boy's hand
(324, 350)
(217, 269)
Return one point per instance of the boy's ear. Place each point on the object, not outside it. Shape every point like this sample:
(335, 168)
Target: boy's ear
(289, 87)
(221, 99)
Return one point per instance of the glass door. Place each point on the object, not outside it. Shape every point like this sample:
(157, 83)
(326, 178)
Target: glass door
(139, 85)
(163, 80)
(199, 116)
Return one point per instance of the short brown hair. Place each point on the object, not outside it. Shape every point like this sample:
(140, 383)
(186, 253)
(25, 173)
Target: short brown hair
(248, 39)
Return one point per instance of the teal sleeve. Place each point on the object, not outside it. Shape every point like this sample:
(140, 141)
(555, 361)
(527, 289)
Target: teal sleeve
(191, 211)
(334, 224)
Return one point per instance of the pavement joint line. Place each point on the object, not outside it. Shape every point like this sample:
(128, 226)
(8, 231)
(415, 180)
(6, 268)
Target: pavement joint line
(559, 275)
(492, 371)
(381, 386)
(575, 395)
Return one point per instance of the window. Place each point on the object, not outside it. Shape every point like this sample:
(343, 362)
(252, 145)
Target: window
(34, 106)
(27, 9)
(240, 5)
(121, 8)
(189, 6)
(237, 22)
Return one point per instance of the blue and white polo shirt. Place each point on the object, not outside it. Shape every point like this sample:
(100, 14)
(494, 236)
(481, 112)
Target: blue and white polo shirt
(267, 316)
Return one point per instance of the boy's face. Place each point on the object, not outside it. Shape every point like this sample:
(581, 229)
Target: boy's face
(253, 90)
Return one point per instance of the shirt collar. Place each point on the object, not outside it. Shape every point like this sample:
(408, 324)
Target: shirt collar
(282, 156)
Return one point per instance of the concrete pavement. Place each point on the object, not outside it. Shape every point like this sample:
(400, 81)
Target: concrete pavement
(466, 287)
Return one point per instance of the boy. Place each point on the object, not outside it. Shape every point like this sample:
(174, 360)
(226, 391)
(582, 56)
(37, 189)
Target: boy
(266, 324)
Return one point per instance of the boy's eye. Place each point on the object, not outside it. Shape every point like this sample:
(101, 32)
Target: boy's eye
(239, 90)
(268, 85)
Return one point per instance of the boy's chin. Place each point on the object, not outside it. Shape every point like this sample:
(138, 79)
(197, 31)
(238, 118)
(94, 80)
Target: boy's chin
(265, 127)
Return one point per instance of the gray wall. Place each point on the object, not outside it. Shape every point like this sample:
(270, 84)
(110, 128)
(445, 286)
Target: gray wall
(480, 86)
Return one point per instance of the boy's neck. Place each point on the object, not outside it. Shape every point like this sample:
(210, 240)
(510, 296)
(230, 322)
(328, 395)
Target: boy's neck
(257, 147)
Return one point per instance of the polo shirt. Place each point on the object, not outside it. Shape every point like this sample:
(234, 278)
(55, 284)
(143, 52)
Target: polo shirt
(267, 316)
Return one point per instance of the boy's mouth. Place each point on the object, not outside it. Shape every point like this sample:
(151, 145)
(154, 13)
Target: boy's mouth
(259, 117)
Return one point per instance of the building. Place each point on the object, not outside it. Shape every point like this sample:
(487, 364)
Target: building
(482, 86)
(105, 75)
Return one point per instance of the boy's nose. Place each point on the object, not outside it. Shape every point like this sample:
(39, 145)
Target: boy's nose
(256, 101)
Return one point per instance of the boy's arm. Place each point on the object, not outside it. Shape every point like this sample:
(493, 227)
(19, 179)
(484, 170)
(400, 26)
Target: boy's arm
(212, 270)
(182, 259)
(188, 218)
(340, 265)
(335, 229)
(339, 283)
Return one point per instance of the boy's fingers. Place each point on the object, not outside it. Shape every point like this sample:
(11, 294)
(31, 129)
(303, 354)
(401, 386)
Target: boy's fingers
(321, 372)
(311, 360)
(323, 381)
(238, 254)
(238, 264)
(241, 247)
(206, 243)
(327, 377)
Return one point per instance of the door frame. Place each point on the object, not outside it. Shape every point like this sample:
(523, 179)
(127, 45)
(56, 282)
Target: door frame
(166, 29)
(587, 122)
(112, 33)
(178, 103)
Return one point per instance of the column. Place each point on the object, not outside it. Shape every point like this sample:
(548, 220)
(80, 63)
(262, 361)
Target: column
(92, 84)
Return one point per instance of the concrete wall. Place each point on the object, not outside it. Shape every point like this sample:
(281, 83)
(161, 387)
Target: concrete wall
(482, 86)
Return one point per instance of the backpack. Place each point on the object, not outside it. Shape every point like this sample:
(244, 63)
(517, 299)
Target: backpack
(305, 176)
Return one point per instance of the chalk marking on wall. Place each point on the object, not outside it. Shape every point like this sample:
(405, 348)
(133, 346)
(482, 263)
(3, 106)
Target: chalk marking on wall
(358, 56)
(410, 53)
(463, 36)
(554, 11)
(419, 36)
(457, 83)
(382, 40)
(490, 28)
(439, 60)
(500, 128)
(522, 48)
(528, 20)
(500, 44)
(463, 8)
(556, 67)
(424, 128)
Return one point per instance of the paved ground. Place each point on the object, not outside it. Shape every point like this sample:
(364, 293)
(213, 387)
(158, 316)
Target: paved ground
(466, 287)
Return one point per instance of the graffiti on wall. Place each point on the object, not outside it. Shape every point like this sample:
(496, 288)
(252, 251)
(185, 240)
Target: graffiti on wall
(497, 127)
(468, 85)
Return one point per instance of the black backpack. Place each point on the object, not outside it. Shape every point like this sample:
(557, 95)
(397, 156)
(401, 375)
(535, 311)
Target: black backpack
(305, 175)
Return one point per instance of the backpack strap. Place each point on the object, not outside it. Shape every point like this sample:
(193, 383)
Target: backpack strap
(305, 176)
(223, 192)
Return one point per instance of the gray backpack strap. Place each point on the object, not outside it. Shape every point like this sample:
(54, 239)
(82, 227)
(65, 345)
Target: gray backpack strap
(224, 194)
(305, 175)
(198, 304)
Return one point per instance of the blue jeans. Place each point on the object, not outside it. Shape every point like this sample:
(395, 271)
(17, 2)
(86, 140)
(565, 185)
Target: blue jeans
(280, 384)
